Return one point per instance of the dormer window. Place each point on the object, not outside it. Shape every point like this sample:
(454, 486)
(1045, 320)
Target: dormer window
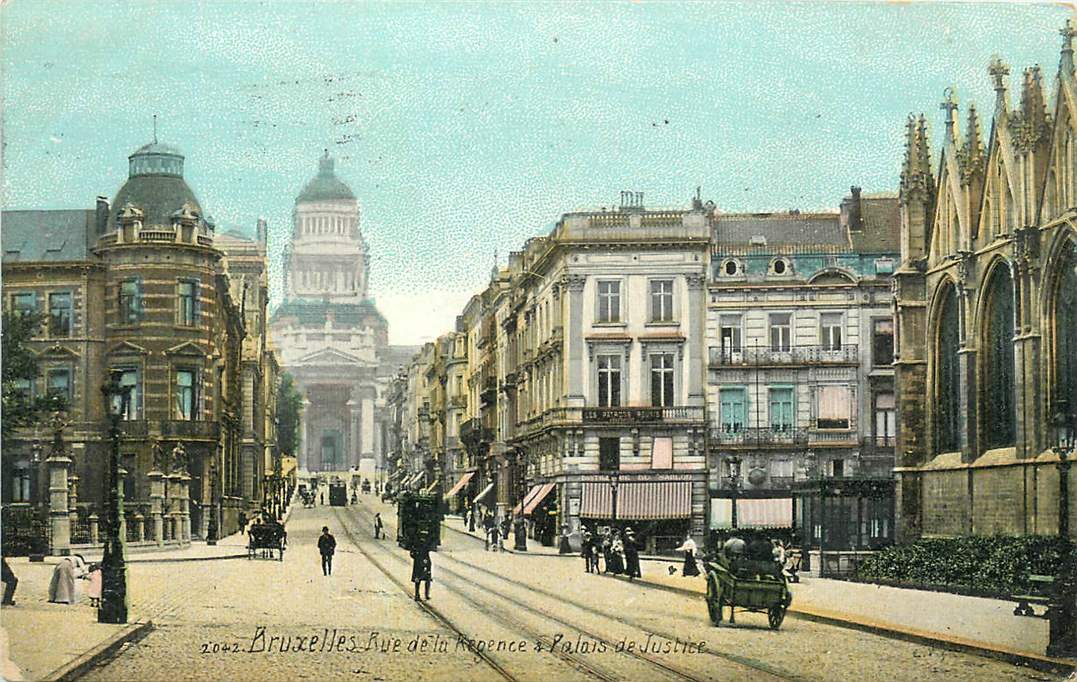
(781, 266)
(732, 268)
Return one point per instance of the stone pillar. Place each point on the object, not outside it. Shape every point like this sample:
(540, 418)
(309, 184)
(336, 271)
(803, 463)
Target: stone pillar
(574, 342)
(695, 346)
(73, 499)
(140, 531)
(94, 529)
(59, 520)
(185, 508)
(157, 496)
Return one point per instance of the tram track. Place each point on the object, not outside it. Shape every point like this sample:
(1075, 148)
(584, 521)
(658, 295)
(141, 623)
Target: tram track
(756, 667)
(477, 598)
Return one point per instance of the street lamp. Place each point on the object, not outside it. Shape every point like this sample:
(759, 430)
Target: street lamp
(1065, 423)
(614, 482)
(734, 484)
(212, 529)
(113, 608)
(1062, 638)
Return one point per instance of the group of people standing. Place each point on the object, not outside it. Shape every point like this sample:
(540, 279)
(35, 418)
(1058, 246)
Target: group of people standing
(618, 550)
(494, 533)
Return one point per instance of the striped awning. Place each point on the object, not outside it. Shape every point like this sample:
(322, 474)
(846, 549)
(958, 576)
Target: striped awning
(537, 498)
(430, 488)
(459, 484)
(480, 498)
(638, 500)
(752, 513)
(527, 498)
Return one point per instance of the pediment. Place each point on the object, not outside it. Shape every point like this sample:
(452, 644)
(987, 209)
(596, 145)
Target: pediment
(58, 351)
(187, 348)
(127, 348)
(329, 356)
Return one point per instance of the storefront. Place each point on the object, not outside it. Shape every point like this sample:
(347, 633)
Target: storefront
(844, 520)
(658, 507)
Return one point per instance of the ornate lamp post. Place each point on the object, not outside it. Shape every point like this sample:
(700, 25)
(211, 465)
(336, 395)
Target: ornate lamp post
(519, 526)
(1062, 611)
(614, 482)
(734, 484)
(212, 530)
(113, 608)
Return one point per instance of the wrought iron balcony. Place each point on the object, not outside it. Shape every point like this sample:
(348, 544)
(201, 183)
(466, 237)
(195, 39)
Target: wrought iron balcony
(178, 428)
(826, 354)
(635, 415)
(755, 436)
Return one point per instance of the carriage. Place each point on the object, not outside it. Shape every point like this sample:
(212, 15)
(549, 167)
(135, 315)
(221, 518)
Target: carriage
(266, 538)
(418, 521)
(748, 585)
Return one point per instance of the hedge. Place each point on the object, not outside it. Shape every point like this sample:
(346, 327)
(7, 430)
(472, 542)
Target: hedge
(997, 564)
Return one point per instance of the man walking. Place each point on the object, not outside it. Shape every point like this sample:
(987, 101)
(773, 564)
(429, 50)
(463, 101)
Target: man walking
(10, 583)
(327, 545)
(378, 526)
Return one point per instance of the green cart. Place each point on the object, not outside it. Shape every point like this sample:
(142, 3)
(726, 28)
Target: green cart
(753, 586)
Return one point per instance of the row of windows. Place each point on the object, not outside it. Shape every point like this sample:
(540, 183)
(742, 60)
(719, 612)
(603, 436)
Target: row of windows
(831, 335)
(131, 302)
(610, 308)
(733, 267)
(833, 410)
(58, 382)
(60, 318)
(324, 225)
(609, 368)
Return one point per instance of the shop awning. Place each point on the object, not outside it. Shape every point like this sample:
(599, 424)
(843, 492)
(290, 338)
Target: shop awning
(527, 498)
(752, 513)
(537, 498)
(430, 488)
(459, 484)
(638, 500)
(480, 498)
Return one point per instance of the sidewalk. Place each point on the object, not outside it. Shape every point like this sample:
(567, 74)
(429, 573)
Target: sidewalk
(985, 626)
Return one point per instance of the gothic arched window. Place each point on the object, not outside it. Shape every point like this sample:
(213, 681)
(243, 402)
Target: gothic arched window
(1000, 419)
(1065, 314)
(947, 376)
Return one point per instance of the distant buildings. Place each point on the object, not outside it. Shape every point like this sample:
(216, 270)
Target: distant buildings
(986, 313)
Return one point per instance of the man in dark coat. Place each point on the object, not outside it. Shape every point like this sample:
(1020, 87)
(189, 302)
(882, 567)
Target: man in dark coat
(587, 549)
(10, 583)
(421, 568)
(631, 555)
(378, 526)
(327, 545)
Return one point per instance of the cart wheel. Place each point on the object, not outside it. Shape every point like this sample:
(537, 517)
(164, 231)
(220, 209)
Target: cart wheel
(714, 600)
(775, 616)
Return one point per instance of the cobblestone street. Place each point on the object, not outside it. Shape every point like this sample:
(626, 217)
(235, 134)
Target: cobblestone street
(236, 619)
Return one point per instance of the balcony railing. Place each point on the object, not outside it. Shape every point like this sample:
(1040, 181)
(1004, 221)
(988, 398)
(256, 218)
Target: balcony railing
(178, 428)
(759, 436)
(790, 355)
(133, 427)
(459, 401)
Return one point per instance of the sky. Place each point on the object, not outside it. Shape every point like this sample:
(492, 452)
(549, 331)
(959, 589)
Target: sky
(466, 128)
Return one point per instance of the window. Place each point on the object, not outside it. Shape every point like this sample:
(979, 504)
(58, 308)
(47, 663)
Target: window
(130, 301)
(187, 303)
(833, 407)
(781, 468)
(24, 388)
(830, 331)
(58, 383)
(884, 266)
(662, 380)
(781, 332)
(999, 402)
(730, 268)
(661, 300)
(24, 303)
(732, 406)
(662, 453)
(609, 454)
(130, 464)
(779, 266)
(730, 333)
(129, 379)
(20, 482)
(882, 342)
(781, 409)
(947, 401)
(60, 314)
(885, 419)
(609, 301)
(837, 468)
(609, 380)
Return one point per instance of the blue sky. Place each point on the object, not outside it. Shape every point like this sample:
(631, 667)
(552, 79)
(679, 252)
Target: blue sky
(467, 128)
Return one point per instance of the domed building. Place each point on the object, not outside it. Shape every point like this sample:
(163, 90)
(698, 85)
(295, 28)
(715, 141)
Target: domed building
(331, 336)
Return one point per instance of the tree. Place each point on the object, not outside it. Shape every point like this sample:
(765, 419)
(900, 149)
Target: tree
(20, 366)
(289, 407)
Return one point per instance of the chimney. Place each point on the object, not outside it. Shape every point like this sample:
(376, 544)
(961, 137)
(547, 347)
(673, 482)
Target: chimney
(850, 211)
(263, 232)
(101, 215)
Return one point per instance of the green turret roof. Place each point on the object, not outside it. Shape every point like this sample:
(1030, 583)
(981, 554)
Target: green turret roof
(325, 186)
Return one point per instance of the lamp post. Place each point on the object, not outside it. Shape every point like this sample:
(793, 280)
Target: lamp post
(734, 484)
(113, 608)
(1062, 611)
(519, 526)
(212, 529)
(614, 482)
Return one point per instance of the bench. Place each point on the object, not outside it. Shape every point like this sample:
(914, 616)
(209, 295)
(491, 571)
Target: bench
(1041, 586)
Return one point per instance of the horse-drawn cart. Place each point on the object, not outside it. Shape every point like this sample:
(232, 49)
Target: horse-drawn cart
(753, 586)
(266, 538)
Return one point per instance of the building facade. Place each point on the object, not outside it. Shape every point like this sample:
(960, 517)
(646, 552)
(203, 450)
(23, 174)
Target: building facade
(985, 311)
(140, 290)
(800, 378)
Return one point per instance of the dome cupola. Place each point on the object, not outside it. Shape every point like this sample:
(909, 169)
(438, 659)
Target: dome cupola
(325, 186)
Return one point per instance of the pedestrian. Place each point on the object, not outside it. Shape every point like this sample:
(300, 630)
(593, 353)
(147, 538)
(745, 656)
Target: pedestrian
(631, 555)
(242, 523)
(586, 549)
(378, 526)
(564, 547)
(327, 545)
(421, 568)
(62, 587)
(689, 548)
(471, 519)
(614, 561)
(505, 526)
(487, 525)
(93, 585)
(321, 498)
(10, 583)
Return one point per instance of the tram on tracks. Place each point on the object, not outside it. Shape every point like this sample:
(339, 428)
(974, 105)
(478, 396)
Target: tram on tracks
(418, 519)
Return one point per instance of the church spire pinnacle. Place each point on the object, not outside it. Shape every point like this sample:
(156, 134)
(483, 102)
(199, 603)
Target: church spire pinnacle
(916, 173)
(1067, 32)
(999, 71)
(949, 105)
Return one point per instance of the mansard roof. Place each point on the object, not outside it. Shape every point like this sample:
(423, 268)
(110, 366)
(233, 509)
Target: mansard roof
(48, 235)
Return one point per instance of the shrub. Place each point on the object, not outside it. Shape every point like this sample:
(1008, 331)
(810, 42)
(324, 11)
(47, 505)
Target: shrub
(997, 564)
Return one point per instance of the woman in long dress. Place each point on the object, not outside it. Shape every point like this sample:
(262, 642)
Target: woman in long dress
(690, 567)
(615, 562)
(63, 588)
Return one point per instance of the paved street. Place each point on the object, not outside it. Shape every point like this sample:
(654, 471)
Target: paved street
(232, 619)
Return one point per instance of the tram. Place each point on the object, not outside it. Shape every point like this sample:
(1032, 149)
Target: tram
(418, 521)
